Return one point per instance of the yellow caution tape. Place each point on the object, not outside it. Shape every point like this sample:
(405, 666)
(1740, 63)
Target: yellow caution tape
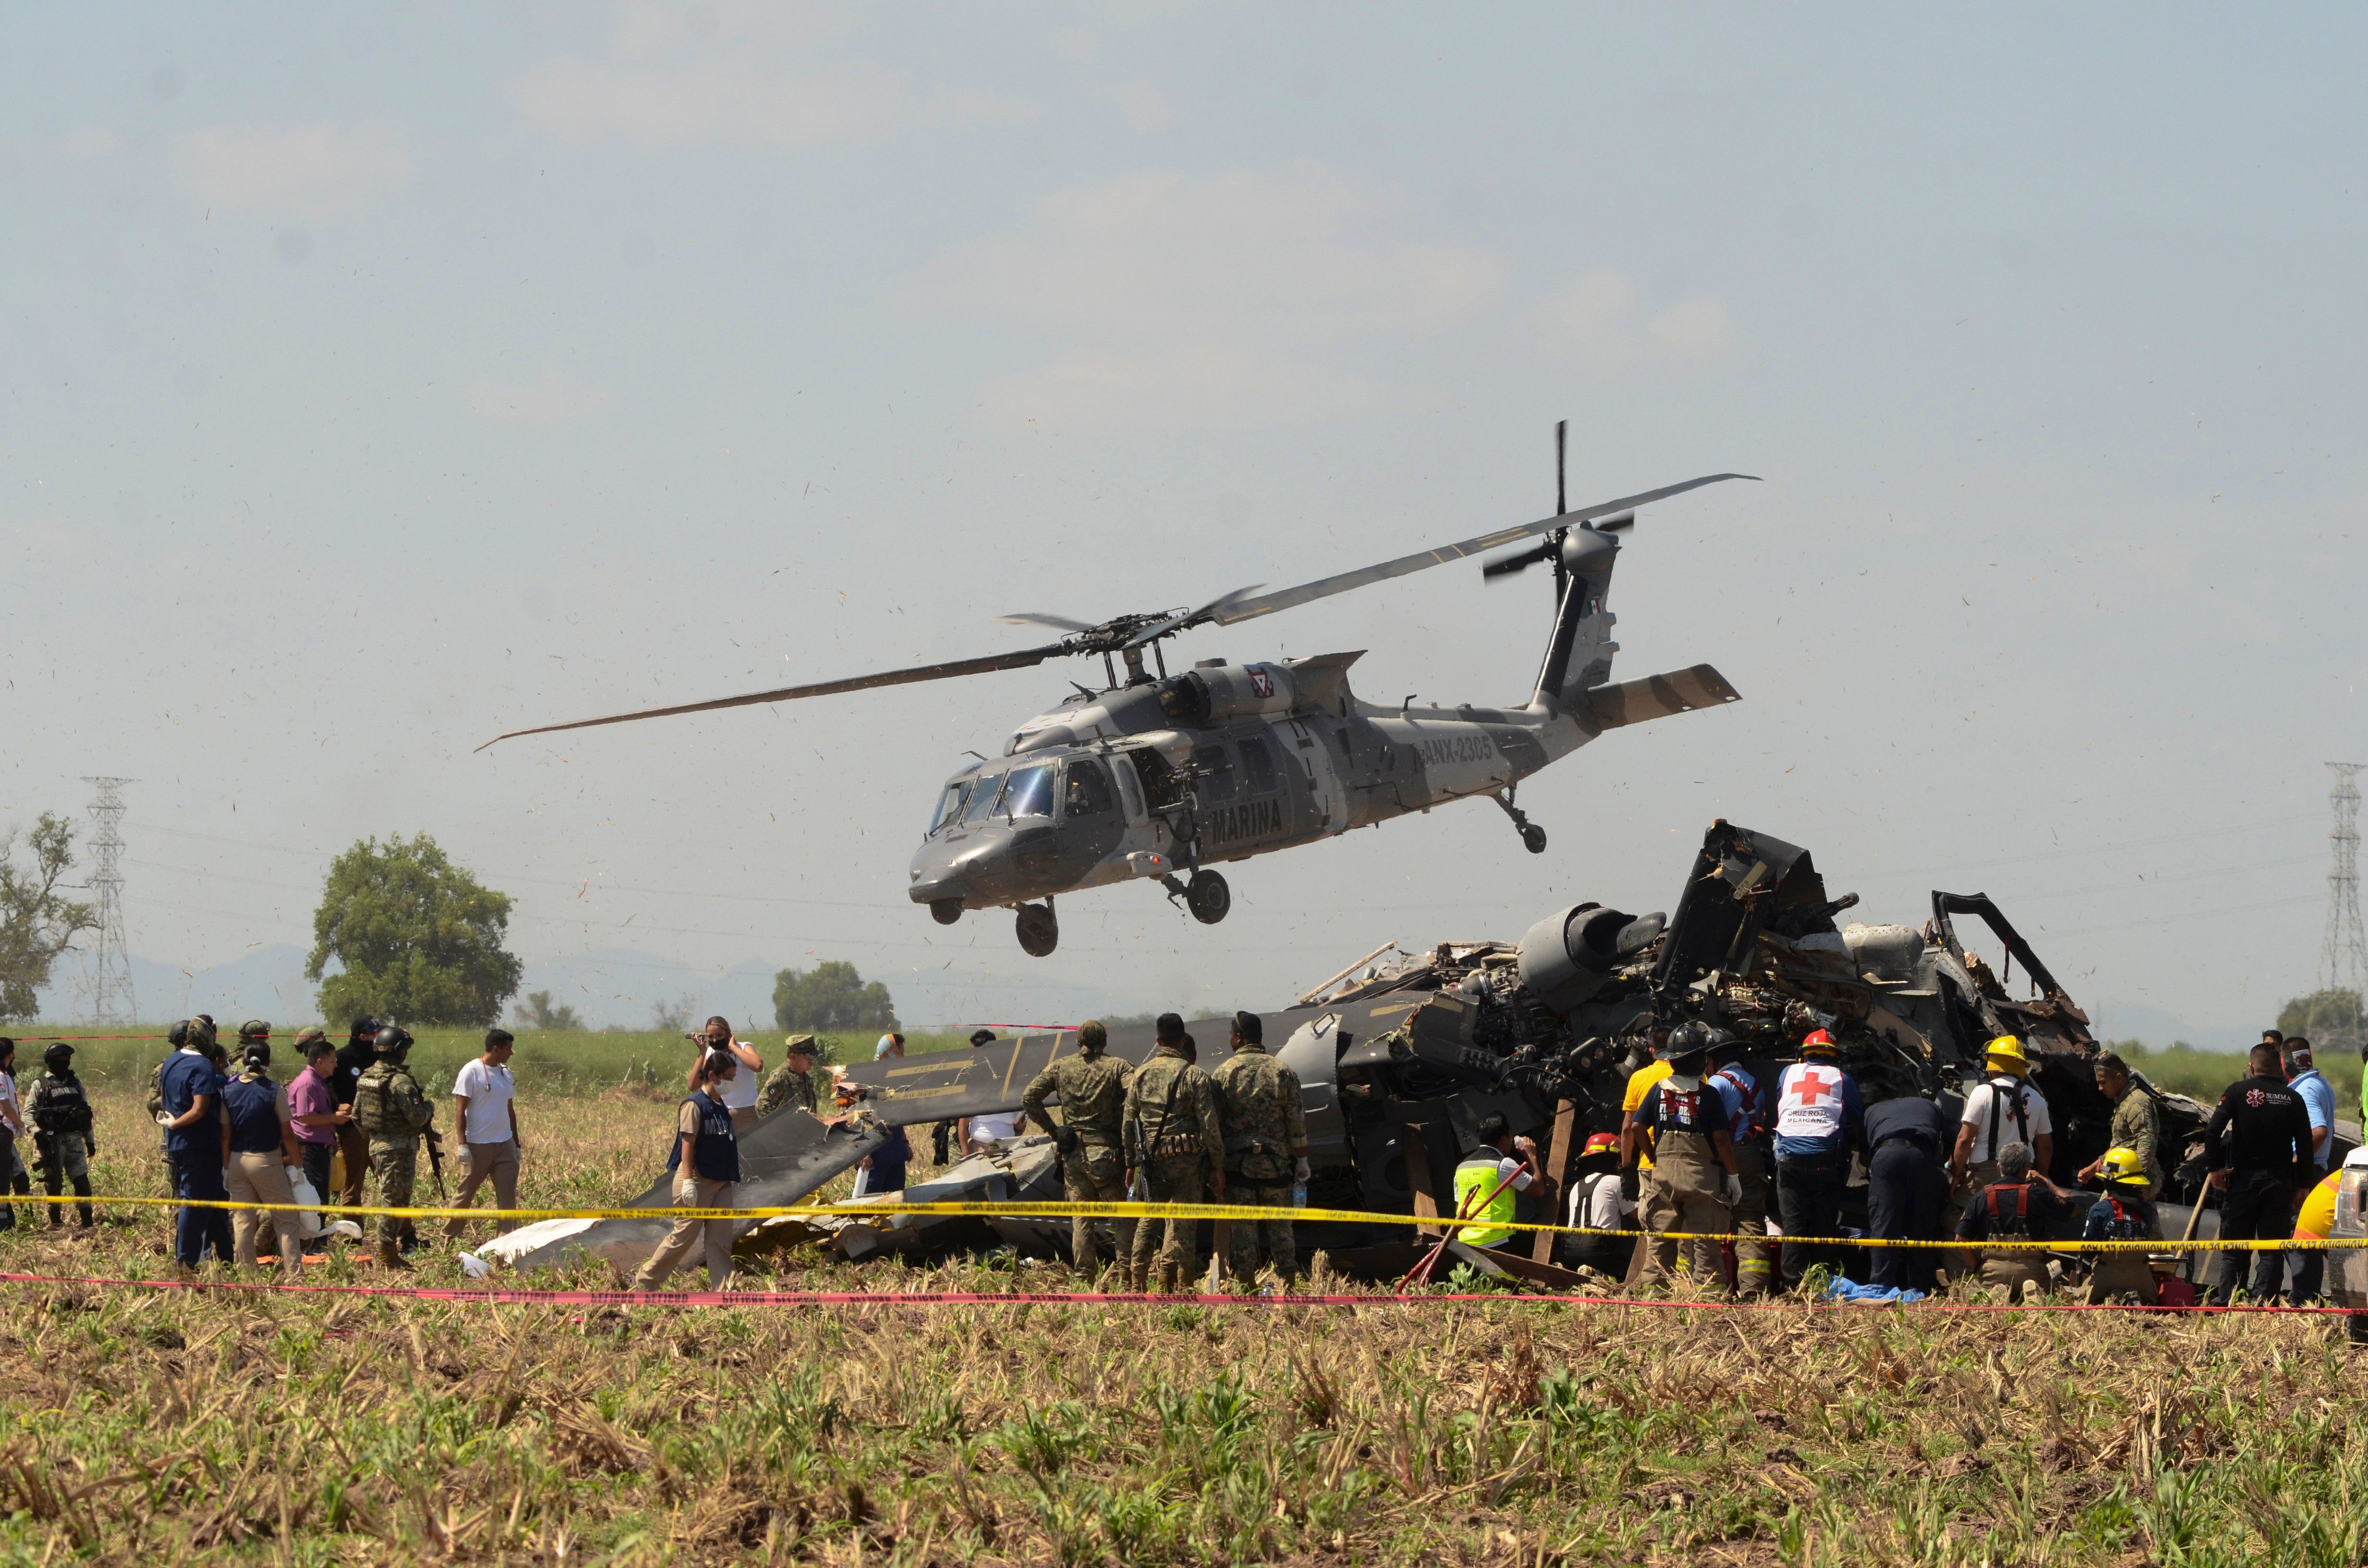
(1058, 1208)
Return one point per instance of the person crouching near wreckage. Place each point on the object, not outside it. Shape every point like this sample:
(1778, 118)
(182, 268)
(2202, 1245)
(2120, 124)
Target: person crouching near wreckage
(705, 1162)
(1694, 1185)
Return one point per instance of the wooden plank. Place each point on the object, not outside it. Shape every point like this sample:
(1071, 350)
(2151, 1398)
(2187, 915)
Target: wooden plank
(1549, 1190)
(1415, 1145)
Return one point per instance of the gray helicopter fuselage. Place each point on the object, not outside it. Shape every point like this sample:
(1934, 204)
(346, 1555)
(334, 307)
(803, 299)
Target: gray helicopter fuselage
(1222, 763)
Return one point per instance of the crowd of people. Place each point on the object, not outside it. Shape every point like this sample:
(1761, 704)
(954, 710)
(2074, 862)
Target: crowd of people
(1706, 1148)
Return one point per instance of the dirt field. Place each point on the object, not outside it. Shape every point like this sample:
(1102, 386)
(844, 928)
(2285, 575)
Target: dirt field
(241, 1425)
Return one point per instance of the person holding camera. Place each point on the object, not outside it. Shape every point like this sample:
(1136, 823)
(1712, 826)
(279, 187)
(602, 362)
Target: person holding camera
(1092, 1090)
(741, 1091)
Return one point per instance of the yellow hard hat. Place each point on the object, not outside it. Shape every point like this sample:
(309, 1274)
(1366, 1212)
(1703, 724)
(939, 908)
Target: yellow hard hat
(2008, 1050)
(2122, 1164)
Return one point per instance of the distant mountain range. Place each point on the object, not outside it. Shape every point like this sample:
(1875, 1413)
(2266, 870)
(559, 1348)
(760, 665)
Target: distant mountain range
(619, 987)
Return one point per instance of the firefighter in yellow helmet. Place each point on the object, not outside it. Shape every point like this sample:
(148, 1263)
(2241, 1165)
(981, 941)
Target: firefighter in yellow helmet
(2123, 1215)
(2003, 1110)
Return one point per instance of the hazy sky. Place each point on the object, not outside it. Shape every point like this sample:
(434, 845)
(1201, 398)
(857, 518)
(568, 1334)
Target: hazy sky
(376, 379)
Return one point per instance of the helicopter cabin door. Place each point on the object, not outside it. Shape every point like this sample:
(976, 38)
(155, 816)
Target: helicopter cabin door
(1243, 807)
(1092, 823)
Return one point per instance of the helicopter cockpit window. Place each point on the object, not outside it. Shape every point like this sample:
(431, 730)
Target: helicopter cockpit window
(949, 806)
(1087, 790)
(981, 798)
(1029, 794)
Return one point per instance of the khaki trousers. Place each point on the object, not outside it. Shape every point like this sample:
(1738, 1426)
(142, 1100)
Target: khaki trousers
(354, 1146)
(687, 1233)
(261, 1179)
(1754, 1276)
(2120, 1274)
(479, 1162)
(1684, 1191)
(2019, 1274)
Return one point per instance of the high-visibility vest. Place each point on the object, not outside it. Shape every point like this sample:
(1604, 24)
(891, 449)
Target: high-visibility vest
(1474, 1179)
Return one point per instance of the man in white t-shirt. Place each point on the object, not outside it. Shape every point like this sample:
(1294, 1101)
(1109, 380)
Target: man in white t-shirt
(741, 1089)
(2004, 1109)
(485, 1110)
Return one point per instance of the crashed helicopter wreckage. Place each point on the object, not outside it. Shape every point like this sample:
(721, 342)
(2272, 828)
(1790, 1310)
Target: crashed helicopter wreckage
(1400, 1061)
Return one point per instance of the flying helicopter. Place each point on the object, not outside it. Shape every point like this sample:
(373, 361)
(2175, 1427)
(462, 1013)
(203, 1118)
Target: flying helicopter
(1161, 778)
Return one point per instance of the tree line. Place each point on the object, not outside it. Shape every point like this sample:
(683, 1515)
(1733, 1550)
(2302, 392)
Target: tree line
(403, 932)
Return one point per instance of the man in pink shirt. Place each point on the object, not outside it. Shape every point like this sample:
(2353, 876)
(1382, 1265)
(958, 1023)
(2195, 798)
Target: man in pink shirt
(312, 1107)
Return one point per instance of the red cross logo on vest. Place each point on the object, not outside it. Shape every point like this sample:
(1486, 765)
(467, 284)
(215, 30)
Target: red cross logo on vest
(1811, 1103)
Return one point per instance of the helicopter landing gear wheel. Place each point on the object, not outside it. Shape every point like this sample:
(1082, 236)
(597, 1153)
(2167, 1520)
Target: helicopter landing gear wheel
(1040, 932)
(1208, 897)
(945, 910)
(1534, 837)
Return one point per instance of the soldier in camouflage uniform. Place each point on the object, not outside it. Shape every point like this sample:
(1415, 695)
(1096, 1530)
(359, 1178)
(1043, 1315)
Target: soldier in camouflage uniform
(60, 1112)
(393, 1111)
(1092, 1139)
(1265, 1147)
(1176, 1143)
(792, 1081)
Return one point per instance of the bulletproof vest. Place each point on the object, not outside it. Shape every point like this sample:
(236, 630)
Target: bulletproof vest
(379, 1109)
(61, 1109)
(716, 1155)
(253, 1101)
(1171, 1129)
(1247, 1154)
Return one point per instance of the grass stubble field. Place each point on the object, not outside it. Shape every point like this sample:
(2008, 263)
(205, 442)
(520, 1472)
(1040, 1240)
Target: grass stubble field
(236, 1426)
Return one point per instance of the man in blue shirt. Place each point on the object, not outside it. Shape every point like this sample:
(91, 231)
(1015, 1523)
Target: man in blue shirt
(2319, 1100)
(194, 1137)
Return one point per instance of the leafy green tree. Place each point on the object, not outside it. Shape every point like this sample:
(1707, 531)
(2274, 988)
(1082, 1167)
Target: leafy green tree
(830, 996)
(537, 1013)
(2323, 1017)
(419, 939)
(36, 923)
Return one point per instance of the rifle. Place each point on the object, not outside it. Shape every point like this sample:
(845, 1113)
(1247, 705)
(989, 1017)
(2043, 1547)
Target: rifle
(436, 1163)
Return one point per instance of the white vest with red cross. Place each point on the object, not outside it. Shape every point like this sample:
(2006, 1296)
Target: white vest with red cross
(1809, 1101)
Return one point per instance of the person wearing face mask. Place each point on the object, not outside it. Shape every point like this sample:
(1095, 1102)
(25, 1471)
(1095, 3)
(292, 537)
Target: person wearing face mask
(705, 1163)
(1688, 1118)
(741, 1090)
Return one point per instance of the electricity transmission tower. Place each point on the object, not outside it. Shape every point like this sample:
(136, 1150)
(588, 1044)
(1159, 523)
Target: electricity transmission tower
(104, 995)
(2343, 954)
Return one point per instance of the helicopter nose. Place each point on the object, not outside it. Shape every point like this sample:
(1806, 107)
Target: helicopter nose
(947, 871)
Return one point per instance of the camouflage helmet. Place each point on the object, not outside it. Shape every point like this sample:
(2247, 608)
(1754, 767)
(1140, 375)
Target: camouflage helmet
(255, 1029)
(310, 1033)
(202, 1031)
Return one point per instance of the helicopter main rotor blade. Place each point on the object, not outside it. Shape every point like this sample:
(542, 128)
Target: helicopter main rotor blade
(1020, 660)
(1325, 587)
(1214, 610)
(1034, 618)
